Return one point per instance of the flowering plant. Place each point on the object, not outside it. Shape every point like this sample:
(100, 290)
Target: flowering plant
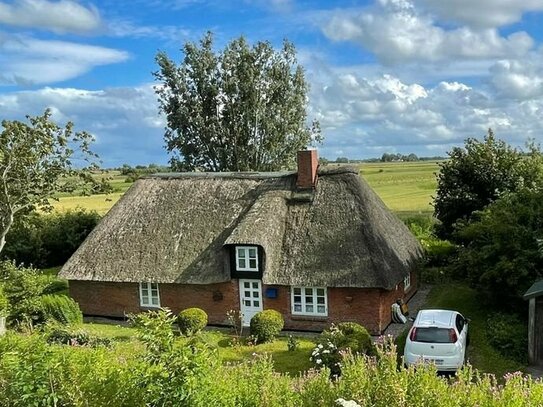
(326, 355)
(338, 340)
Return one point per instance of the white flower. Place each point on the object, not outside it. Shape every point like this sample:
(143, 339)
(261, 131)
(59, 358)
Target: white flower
(320, 346)
(326, 351)
(318, 361)
(347, 403)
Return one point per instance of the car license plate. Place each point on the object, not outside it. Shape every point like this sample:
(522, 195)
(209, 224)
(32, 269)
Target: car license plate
(437, 362)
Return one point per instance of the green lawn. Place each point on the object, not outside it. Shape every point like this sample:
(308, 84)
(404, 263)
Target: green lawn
(229, 350)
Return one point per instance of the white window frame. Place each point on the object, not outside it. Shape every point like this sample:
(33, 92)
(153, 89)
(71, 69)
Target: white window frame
(407, 282)
(303, 301)
(245, 250)
(150, 287)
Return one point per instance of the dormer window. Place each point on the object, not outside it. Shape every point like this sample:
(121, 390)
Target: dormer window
(246, 258)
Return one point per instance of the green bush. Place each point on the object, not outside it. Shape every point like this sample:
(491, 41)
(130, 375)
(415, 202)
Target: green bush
(350, 335)
(62, 309)
(63, 335)
(3, 302)
(23, 289)
(57, 285)
(438, 252)
(338, 340)
(508, 335)
(191, 321)
(436, 275)
(266, 325)
(48, 240)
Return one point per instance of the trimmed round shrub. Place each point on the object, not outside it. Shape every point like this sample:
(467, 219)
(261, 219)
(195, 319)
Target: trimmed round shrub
(191, 321)
(266, 325)
(349, 335)
(62, 309)
(356, 337)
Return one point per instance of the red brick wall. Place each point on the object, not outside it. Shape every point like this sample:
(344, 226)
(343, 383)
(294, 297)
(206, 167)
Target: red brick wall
(307, 168)
(344, 304)
(389, 297)
(369, 307)
(118, 299)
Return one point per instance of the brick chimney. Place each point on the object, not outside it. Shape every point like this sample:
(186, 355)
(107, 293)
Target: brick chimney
(307, 169)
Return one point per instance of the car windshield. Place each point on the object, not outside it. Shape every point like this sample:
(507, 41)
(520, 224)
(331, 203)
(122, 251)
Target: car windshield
(433, 335)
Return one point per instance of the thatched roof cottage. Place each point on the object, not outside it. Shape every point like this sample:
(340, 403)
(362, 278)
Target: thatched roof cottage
(318, 246)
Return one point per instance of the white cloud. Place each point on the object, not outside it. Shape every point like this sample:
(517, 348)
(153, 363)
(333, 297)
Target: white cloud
(64, 16)
(125, 28)
(518, 79)
(27, 60)
(396, 32)
(482, 13)
(364, 116)
(125, 121)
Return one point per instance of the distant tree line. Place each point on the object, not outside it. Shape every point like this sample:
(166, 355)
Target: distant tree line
(133, 173)
(386, 157)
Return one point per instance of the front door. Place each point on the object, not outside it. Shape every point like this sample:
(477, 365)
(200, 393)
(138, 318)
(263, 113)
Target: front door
(250, 298)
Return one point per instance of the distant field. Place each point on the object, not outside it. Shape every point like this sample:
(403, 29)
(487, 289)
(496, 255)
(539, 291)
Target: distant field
(406, 188)
(100, 203)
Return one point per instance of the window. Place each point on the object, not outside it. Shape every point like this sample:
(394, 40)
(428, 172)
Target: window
(460, 322)
(246, 258)
(407, 282)
(309, 301)
(433, 335)
(149, 295)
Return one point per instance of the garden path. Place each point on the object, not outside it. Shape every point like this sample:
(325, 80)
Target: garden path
(416, 303)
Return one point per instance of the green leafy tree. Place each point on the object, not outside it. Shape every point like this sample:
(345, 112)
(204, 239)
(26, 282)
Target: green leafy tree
(478, 174)
(241, 109)
(501, 253)
(35, 163)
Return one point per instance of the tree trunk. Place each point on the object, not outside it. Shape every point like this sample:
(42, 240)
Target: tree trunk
(6, 227)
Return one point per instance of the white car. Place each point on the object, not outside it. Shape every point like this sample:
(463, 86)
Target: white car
(439, 337)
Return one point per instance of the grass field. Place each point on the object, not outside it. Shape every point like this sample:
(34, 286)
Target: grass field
(100, 203)
(405, 187)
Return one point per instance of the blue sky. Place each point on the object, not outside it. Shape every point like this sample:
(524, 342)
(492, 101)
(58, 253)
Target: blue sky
(386, 75)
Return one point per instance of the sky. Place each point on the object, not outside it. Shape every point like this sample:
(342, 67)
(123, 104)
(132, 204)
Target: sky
(386, 76)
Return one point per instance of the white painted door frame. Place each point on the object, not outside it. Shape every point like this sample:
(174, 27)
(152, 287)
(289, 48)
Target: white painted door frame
(250, 299)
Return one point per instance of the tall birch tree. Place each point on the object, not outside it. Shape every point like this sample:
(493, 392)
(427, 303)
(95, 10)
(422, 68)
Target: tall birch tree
(241, 109)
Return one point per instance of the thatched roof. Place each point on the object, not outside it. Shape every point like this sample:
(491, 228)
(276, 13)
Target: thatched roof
(177, 228)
